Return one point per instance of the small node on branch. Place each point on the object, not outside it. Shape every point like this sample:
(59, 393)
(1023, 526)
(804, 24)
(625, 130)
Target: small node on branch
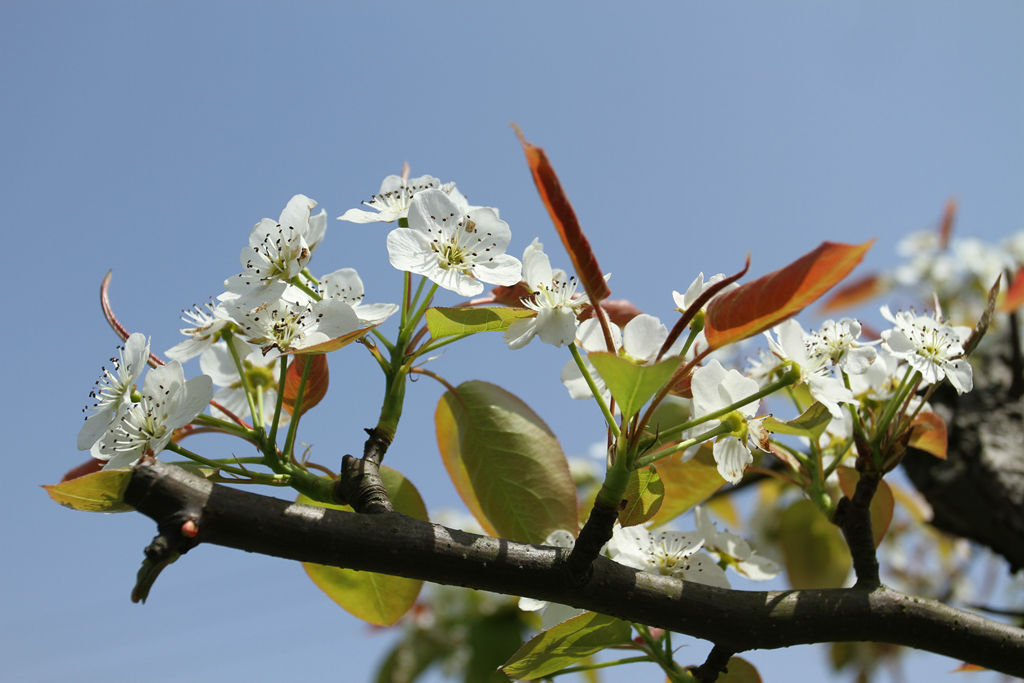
(715, 664)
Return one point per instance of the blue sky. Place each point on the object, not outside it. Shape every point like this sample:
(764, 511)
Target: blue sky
(149, 137)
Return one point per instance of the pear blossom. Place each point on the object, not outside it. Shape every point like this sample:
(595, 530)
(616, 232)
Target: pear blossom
(281, 326)
(457, 246)
(206, 323)
(112, 389)
(713, 389)
(697, 287)
(396, 193)
(553, 613)
(263, 375)
(669, 553)
(837, 343)
(930, 346)
(554, 299)
(279, 250)
(346, 285)
(145, 427)
(733, 550)
(791, 343)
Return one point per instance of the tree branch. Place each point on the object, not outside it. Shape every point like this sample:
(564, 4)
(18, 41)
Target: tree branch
(853, 517)
(734, 620)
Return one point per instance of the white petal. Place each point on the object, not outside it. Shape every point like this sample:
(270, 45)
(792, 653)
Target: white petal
(196, 396)
(521, 332)
(501, 269)
(536, 265)
(296, 213)
(643, 336)
(360, 216)
(732, 457)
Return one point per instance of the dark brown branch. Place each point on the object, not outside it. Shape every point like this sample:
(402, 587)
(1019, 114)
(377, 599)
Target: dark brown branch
(360, 484)
(595, 533)
(714, 665)
(734, 620)
(853, 517)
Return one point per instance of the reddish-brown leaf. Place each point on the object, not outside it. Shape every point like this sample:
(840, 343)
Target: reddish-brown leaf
(88, 467)
(756, 306)
(1014, 294)
(316, 383)
(857, 292)
(946, 224)
(928, 434)
(564, 218)
(620, 311)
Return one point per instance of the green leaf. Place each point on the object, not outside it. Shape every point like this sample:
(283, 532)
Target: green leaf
(812, 423)
(812, 547)
(881, 506)
(643, 497)
(631, 384)
(505, 463)
(565, 644)
(410, 658)
(101, 491)
(739, 670)
(667, 420)
(449, 322)
(490, 640)
(686, 483)
(377, 598)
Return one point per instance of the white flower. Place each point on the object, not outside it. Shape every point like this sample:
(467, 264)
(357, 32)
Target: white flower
(263, 375)
(456, 246)
(553, 612)
(837, 343)
(279, 250)
(396, 193)
(696, 288)
(930, 346)
(792, 345)
(669, 553)
(714, 388)
(145, 427)
(554, 299)
(735, 551)
(290, 326)
(112, 389)
(983, 261)
(204, 331)
(346, 285)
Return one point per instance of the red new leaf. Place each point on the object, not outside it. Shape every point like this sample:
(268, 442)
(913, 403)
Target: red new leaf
(857, 292)
(1015, 293)
(316, 383)
(928, 433)
(756, 306)
(564, 218)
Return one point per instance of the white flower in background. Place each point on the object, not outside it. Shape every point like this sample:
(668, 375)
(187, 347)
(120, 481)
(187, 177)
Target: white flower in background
(206, 323)
(290, 326)
(714, 388)
(930, 346)
(145, 427)
(735, 551)
(554, 299)
(669, 553)
(791, 344)
(279, 250)
(396, 193)
(113, 388)
(1014, 246)
(554, 613)
(837, 343)
(346, 285)
(696, 288)
(263, 375)
(927, 261)
(983, 261)
(456, 246)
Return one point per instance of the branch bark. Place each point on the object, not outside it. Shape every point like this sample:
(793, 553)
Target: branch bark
(734, 620)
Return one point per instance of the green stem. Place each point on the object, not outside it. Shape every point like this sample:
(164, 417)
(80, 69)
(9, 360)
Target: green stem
(414, 320)
(257, 428)
(313, 294)
(225, 426)
(255, 477)
(789, 378)
(293, 426)
(435, 345)
(280, 400)
(309, 276)
(910, 380)
(651, 458)
(608, 417)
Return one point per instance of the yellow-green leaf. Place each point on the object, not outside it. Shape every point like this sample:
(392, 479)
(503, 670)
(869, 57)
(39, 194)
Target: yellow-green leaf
(643, 497)
(882, 503)
(565, 644)
(101, 491)
(812, 548)
(449, 322)
(928, 434)
(377, 598)
(505, 463)
(739, 670)
(686, 483)
(812, 423)
(631, 384)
